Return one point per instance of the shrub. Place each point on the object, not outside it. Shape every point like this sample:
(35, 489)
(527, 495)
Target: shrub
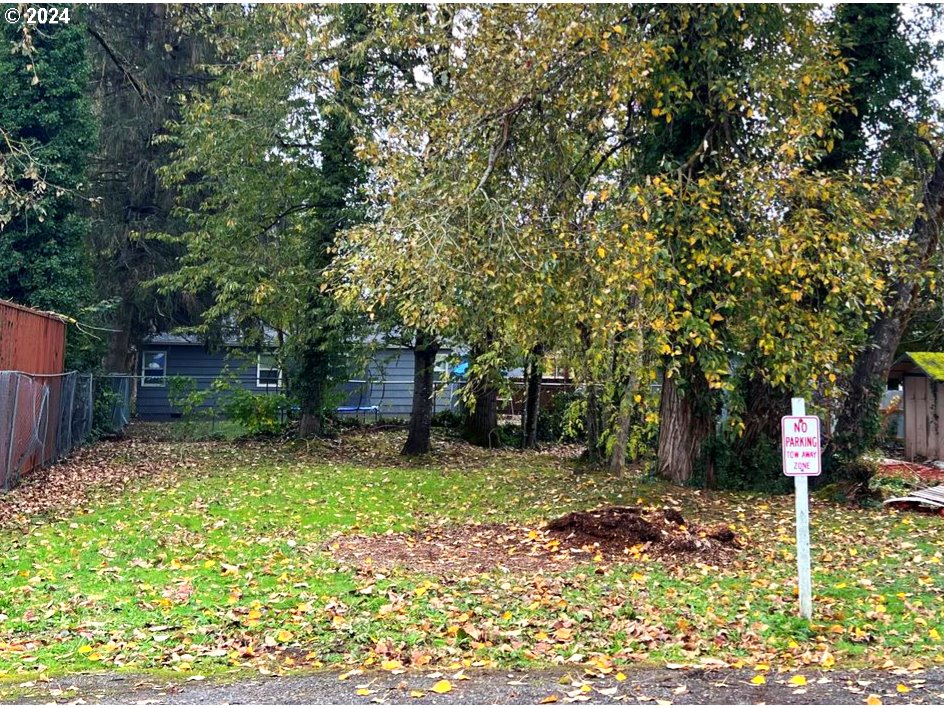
(509, 435)
(260, 413)
(562, 420)
(447, 419)
(759, 469)
(183, 394)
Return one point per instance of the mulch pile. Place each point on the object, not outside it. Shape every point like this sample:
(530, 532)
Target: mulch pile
(610, 535)
(615, 528)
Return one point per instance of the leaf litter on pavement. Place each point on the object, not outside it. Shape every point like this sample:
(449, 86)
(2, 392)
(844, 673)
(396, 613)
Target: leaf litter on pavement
(205, 557)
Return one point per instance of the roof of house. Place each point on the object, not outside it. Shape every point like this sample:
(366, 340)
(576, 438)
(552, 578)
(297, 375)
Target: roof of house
(234, 340)
(168, 338)
(930, 363)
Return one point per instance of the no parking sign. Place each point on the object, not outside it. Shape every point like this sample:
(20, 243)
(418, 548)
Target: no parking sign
(801, 454)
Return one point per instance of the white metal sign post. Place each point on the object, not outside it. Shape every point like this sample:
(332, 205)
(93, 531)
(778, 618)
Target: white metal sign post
(801, 459)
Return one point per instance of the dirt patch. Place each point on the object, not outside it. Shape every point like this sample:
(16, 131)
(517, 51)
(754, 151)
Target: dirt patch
(614, 529)
(455, 550)
(608, 535)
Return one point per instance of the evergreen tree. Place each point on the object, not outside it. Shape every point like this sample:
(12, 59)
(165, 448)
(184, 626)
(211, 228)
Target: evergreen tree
(44, 109)
(144, 59)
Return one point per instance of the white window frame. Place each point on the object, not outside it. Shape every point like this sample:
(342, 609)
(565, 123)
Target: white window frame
(259, 368)
(144, 372)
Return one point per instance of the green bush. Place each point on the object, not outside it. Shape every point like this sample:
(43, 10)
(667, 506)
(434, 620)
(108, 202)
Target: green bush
(447, 419)
(509, 435)
(103, 405)
(183, 394)
(562, 420)
(260, 413)
(759, 469)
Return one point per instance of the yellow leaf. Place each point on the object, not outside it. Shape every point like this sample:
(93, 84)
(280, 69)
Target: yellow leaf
(284, 635)
(442, 686)
(934, 634)
(873, 700)
(416, 694)
(758, 680)
(85, 649)
(390, 665)
(902, 688)
(549, 699)
(797, 681)
(620, 676)
(363, 692)
(827, 659)
(601, 252)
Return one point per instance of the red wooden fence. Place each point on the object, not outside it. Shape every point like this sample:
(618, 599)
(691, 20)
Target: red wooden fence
(34, 343)
(31, 341)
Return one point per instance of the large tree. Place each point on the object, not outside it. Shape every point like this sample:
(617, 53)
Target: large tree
(46, 133)
(144, 58)
(594, 172)
(886, 127)
(267, 154)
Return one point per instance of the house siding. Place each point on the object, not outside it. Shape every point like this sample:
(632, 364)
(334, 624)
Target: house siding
(199, 364)
(386, 384)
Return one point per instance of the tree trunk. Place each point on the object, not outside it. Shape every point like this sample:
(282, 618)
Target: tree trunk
(857, 423)
(532, 402)
(311, 424)
(481, 425)
(118, 357)
(593, 424)
(766, 405)
(309, 387)
(624, 423)
(684, 428)
(421, 414)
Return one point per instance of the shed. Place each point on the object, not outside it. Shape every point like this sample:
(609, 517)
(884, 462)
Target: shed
(922, 377)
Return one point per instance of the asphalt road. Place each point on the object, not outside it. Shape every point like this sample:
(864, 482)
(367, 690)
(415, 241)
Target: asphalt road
(642, 686)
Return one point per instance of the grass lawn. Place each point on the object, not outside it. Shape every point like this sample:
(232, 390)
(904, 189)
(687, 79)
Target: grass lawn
(226, 562)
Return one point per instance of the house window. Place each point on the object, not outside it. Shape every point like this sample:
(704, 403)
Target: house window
(441, 366)
(154, 368)
(268, 373)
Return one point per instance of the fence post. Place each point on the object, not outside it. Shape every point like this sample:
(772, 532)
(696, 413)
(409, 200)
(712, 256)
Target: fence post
(16, 401)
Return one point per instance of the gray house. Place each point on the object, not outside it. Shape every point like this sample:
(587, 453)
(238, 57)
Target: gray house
(383, 389)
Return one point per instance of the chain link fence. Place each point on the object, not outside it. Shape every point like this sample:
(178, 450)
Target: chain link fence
(44, 417)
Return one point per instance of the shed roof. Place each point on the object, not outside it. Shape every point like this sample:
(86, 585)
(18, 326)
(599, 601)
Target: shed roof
(930, 363)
